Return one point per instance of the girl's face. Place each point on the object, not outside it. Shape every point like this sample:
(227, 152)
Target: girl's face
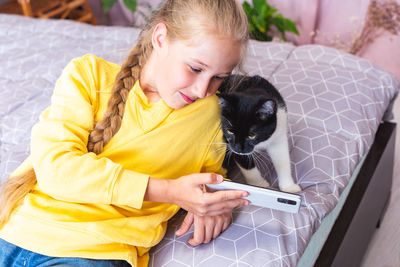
(180, 72)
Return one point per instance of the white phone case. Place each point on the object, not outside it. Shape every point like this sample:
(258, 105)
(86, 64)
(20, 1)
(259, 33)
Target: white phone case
(263, 197)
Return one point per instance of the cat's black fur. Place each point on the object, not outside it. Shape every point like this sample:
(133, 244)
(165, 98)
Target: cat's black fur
(251, 110)
(247, 110)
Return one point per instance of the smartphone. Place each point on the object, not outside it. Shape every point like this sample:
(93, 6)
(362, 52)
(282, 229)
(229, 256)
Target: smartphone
(263, 197)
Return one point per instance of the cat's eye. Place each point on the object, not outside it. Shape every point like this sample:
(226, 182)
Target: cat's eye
(229, 132)
(252, 136)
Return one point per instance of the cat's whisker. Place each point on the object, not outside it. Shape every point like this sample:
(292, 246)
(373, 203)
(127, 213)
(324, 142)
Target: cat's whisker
(229, 153)
(218, 143)
(220, 150)
(262, 155)
(249, 158)
(257, 160)
(268, 167)
(263, 163)
(214, 143)
(227, 121)
(254, 155)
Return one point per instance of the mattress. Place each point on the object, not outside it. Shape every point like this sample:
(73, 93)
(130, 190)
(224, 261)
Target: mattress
(335, 104)
(318, 239)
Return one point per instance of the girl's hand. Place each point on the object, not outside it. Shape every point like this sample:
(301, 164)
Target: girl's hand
(188, 192)
(205, 227)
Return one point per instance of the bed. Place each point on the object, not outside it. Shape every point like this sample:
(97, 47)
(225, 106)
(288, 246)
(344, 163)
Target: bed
(340, 134)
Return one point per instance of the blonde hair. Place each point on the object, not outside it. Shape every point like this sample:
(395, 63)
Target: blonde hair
(184, 20)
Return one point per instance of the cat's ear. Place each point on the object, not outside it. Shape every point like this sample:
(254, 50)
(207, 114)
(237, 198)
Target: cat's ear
(267, 109)
(223, 100)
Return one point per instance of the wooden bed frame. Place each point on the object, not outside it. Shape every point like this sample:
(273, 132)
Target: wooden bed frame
(365, 205)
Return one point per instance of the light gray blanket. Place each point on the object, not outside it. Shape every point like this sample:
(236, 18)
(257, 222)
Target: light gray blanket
(335, 103)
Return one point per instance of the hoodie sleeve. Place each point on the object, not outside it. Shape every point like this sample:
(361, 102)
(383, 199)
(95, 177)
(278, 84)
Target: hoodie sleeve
(215, 155)
(64, 168)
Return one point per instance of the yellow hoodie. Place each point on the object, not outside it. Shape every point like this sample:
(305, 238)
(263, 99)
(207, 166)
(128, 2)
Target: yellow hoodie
(91, 206)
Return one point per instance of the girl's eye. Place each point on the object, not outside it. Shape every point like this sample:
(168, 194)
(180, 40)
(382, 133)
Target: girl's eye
(219, 77)
(229, 132)
(194, 69)
(252, 136)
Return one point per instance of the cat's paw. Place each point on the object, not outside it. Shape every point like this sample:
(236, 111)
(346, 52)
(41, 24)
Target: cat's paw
(263, 183)
(290, 188)
(260, 183)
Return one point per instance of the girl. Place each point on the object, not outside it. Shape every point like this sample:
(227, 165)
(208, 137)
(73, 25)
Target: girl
(102, 195)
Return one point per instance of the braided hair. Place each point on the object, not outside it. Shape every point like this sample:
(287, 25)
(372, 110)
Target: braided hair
(111, 122)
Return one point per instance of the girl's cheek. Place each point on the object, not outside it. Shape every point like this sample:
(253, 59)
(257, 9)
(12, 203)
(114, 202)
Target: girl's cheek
(185, 79)
(214, 87)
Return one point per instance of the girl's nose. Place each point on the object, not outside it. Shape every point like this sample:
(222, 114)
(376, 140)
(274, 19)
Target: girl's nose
(201, 88)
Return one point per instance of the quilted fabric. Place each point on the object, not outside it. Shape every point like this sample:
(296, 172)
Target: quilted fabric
(335, 103)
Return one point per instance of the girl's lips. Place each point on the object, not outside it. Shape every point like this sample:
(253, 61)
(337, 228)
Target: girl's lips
(186, 98)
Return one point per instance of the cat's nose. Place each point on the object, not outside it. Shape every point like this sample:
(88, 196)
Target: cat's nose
(239, 147)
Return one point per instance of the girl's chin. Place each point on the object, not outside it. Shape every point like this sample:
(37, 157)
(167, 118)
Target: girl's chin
(175, 105)
(176, 102)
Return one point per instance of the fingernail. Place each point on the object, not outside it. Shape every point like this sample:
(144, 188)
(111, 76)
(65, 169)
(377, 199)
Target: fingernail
(220, 178)
(245, 194)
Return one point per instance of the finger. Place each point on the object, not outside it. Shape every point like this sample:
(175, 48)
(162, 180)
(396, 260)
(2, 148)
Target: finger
(208, 178)
(218, 228)
(224, 195)
(225, 207)
(186, 224)
(209, 228)
(227, 223)
(198, 235)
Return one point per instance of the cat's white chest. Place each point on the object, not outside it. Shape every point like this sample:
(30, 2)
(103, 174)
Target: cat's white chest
(278, 149)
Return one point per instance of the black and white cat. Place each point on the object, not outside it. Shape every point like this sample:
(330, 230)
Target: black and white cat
(254, 118)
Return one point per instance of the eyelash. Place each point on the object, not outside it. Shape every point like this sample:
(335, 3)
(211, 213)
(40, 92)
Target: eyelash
(193, 69)
(196, 70)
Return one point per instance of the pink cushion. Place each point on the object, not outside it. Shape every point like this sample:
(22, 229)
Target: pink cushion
(303, 13)
(384, 52)
(336, 24)
(340, 21)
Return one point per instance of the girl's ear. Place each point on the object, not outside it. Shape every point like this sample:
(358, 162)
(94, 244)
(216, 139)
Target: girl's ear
(159, 38)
